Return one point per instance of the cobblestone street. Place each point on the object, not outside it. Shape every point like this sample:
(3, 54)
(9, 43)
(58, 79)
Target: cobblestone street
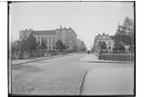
(54, 76)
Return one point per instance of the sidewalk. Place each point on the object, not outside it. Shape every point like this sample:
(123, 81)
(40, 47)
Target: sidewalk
(90, 57)
(93, 58)
(106, 77)
(109, 81)
(17, 62)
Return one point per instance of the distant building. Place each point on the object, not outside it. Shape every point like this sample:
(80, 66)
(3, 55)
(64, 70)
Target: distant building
(24, 34)
(66, 35)
(107, 39)
(48, 35)
(81, 45)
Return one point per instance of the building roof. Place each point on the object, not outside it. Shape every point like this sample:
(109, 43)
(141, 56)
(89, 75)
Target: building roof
(44, 32)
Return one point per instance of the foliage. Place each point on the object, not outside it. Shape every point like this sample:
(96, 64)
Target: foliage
(59, 45)
(118, 46)
(29, 44)
(102, 45)
(15, 46)
(125, 32)
(74, 48)
(43, 44)
(32, 43)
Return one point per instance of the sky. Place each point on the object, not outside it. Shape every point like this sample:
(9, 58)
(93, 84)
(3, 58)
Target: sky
(87, 19)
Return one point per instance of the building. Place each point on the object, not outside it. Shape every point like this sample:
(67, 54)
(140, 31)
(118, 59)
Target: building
(107, 39)
(49, 36)
(24, 34)
(66, 35)
(81, 45)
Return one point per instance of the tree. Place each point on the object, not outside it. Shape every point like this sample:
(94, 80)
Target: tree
(32, 43)
(125, 32)
(29, 44)
(75, 48)
(118, 46)
(43, 45)
(25, 45)
(102, 45)
(59, 45)
(15, 46)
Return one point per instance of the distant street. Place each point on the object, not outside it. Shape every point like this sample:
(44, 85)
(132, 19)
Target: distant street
(63, 76)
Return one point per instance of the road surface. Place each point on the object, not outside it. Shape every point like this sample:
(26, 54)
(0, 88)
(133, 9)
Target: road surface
(63, 76)
(53, 76)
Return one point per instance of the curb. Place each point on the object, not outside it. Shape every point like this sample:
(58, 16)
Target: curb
(125, 62)
(79, 92)
(40, 59)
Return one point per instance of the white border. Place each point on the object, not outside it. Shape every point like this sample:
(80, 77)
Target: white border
(140, 48)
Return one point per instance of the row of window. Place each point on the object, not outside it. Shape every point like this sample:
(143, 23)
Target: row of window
(45, 38)
(50, 47)
(46, 41)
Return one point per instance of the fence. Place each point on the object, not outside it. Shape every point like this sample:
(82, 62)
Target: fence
(27, 55)
(117, 57)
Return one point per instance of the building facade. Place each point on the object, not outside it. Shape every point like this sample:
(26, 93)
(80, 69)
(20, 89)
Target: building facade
(24, 34)
(81, 45)
(107, 39)
(66, 35)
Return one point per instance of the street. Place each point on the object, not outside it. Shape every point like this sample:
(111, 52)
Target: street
(63, 76)
(52, 76)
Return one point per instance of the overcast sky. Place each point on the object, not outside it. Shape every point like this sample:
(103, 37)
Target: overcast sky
(86, 18)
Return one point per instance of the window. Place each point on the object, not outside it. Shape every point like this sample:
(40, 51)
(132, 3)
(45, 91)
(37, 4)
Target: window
(49, 38)
(38, 37)
(109, 47)
(38, 42)
(49, 41)
(45, 41)
(49, 47)
(53, 41)
(45, 37)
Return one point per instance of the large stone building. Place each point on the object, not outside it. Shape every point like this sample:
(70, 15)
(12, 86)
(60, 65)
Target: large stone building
(66, 35)
(24, 34)
(81, 45)
(107, 39)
